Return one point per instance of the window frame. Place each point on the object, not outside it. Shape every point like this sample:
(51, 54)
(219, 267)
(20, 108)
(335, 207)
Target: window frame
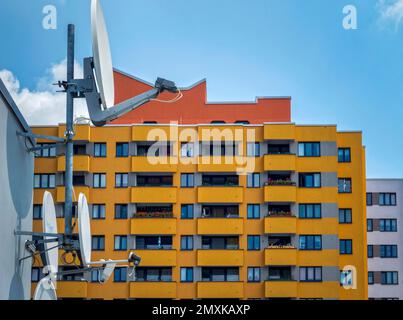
(102, 150)
(303, 149)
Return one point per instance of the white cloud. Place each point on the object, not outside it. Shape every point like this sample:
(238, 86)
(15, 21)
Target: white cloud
(44, 106)
(391, 12)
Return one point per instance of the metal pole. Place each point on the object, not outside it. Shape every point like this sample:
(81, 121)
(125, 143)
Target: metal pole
(68, 180)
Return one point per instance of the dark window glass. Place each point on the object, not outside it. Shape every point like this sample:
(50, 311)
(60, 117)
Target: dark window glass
(254, 242)
(100, 150)
(344, 155)
(346, 246)
(309, 149)
(122, 150)
(310, 211)
(187, 211)
(310, 180)
(345, 216)
(344, 185)
(253, 211)
(310, 242)
(121, 211)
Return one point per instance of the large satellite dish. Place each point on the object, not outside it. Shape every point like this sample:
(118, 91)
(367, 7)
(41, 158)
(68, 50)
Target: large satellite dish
(84, 229)
(102, 56)
(49, 223)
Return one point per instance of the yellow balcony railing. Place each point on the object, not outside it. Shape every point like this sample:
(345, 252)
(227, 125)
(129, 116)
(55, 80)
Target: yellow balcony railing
(220, 290)
(220, 194)
(153, 290)
(279, 162)
(218, 164)
(280, 193)
(60, 193)
(154, 194)
(280, 256)
(220, 226)
(151, 133)
(279, 132)
(80, 163)
(281, 289)
(154, 164)
(71, 289)
(325, 290)
(157, 258)
(280, 225)
(153, 226)
(81, 132)
(220, 258)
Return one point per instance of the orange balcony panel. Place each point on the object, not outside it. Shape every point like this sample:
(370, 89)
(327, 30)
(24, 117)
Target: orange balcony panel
(219, 164)
(45, 165)
(281, 289)
(153, 290)
(154, 194)
(220, 258)
(60, 193)
(218, 290)
(151, 133)
(71, 289)
(156, 258)
(220, 194)
(279, 132)
(219, 226)
(280, 225)
(327, 257)
(80, 163)
(82, 132)
(157, 226)
(280, 193)
(325, 290)
(279, 162)
(154, 164)
(280, 257)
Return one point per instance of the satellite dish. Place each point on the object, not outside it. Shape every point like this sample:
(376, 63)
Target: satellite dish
(45, 290)
(107, 272)
(84, 230)
(50, 226)
(102, 56)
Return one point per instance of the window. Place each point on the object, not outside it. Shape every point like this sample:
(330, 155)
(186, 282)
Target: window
(344, 185)
(370, 251)
(310, 242)
(187, 149)
(154, 242)
(253, 149)
(186, 243)
(36, 275)
(220, 274)
(220, 180)
(120, 243)
(310, 274)
(388, 225)
(389, 251)
(253, 211)
(95, 275)
(121, 180)
(120, 274)
(45, 153)
(345, 216)
(369, 199)
(187, 211)
(153, 274)
(99, 180)
(387, 199)
(310, 211)
(253, 242)
(37, 212)
(370, 225)
(154, 181)
(344, 155)
(346, 246)
(389, 277)
(121, 211)
(122, 150)
(370, 277)
(253, 180)
(187, 180)
(253, 274)
(98, 243)
(99, 149)
(186, 274)
(98, 211)
(309, 149)
(346, 277)
(220, 243)
(43, 181)
(309, 180)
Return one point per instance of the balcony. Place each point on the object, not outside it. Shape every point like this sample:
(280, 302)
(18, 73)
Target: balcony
(157, 258)
(325, 290)
(81, 132)
(60, 193)
(219, 258)
(219, 226)
(149, 132)
(225, 290)
(280, 256)
(71, 289)
(283, 193)
(280, 224)
(153, 194)
(81, 163)
(218, 164)
(280, 162)
(279, 132)
(154, 164)
(220, 194)
(152, 290)
(150, 226)
(281, 289)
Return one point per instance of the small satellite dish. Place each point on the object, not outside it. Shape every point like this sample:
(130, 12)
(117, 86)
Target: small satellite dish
(107, 272)
(102, 56)
(84, 230)
(45, 290)
(50, 226)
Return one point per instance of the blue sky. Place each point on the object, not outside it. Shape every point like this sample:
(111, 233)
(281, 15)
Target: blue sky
(352, 78)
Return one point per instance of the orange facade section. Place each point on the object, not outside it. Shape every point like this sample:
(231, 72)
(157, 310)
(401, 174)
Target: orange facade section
(193, 108)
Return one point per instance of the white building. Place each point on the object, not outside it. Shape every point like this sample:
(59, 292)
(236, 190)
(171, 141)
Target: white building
(385, 238)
